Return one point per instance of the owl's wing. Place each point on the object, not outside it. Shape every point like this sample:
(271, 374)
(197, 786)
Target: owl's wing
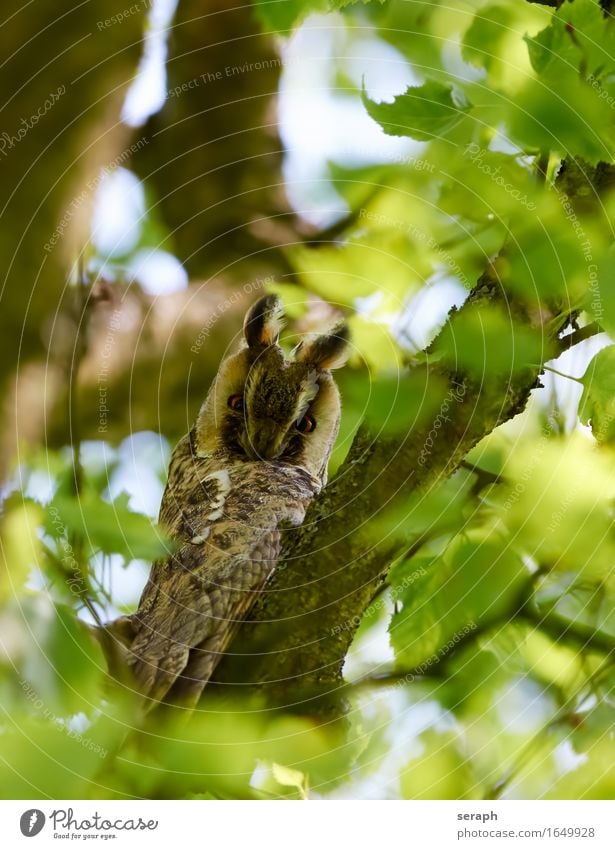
(229, 544)
(235, 604)
(189, 611)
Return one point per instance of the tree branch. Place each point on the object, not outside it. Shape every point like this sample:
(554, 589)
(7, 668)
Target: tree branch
(302, 627)
(579, 335)
(576, 634)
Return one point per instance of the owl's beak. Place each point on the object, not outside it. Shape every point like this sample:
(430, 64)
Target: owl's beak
(266, 443)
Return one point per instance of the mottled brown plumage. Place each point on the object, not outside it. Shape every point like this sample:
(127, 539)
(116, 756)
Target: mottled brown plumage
(256, 457)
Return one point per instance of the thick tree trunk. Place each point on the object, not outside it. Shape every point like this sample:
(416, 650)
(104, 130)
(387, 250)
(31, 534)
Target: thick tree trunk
(64, 76)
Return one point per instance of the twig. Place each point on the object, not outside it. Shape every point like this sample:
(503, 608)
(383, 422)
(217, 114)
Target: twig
(562, 715)
(542, 165)
(562, 374)
(580, 335)
(337, 228)
(79, 312)
(561, 631)
(555, 4)
(392, 679)
(81, 318)
(483, 475)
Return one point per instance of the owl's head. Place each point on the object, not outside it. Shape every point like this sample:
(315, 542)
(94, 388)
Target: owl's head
(265, 407)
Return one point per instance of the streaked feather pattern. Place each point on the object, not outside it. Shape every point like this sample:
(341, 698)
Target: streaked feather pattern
(244, 472)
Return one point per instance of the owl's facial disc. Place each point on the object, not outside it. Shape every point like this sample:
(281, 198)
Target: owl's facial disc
(275, 406)
(264, 407)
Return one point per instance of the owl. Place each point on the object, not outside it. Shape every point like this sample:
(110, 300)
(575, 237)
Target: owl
(251, 464)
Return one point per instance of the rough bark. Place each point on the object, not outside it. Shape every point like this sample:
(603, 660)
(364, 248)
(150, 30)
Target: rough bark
(65, 74)
(331, 567)
(211, 158)
(214, 161)
(298, 635)
(63, 79)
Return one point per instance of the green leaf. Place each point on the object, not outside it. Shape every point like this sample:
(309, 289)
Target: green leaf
(393, 405)
(488, 342)
(109, 527)
(578, 37)
(342, 4)
(600, 294)
(48, 758)
(441, 771)
(494, 42)
(422, 112)
(561, 112)
(483, 39)
(21, 548)
(473, 583)
(564, 109)
(288, 777)
(597, 404)
(441, 511)
(586, 604)
(594, 778)
(485, 183)
(556, 499)
(381, 262)
(551, 255)
(283, 15)
(61, 664)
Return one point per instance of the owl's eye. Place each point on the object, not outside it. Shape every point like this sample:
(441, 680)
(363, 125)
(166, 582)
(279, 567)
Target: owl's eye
(307, 424)
(235, 402)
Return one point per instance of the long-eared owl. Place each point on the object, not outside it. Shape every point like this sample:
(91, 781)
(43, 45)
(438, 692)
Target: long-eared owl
(253, 461)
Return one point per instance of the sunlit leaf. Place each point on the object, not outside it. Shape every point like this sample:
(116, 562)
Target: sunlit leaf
(562, 519)
(290, 778)
(597, 404)
(472, 583)
(488, 342)
(21, 548)
(395, 404)
(283, 15)
(109, 527)
(422, 112)
(441, 771)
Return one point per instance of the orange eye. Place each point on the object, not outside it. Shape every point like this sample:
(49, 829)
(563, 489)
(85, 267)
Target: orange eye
(235, 402)
(307, 424)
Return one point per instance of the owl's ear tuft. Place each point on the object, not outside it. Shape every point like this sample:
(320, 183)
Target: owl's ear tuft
(263, 322)
(325, 350)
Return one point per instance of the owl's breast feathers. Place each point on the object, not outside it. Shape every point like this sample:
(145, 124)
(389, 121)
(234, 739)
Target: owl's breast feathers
(226, 519)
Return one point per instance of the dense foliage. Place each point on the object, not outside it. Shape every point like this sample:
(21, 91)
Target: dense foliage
(482, 667)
